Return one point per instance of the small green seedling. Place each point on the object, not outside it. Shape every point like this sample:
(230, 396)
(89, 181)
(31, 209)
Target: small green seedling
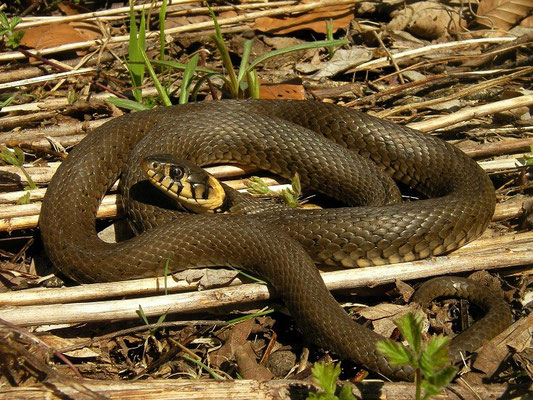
(245, 81)
(6, 102)
(290, 196)
(16, 157)
(529, 159)
(430, 360)
(7, 31)
(329, 36)
(326, 376)
(162, 317)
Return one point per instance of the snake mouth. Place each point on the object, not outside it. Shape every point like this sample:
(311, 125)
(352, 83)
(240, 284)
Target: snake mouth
(191, 186)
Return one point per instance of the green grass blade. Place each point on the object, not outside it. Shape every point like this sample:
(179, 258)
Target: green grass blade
(204, 367)
(246, 50)
(228, 65)
(128, 104)
(187, 79)
(250, 316)
(200, 82)
(177, 65)
(140, 313)
(329, 36)
(160, 89)
(135, 63)
(162, 16)
(298, 47)
(253, 84)
(224, 55)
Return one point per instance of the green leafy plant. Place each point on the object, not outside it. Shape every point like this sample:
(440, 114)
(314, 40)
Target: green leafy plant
(245, 81)
(326, 376)
(7, 31)
(529, 159)
(6, 102)
(430, 360)
(290, 196)
(16, 157)
(161, 319)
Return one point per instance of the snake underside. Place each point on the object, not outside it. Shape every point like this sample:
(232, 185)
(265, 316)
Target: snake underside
(279, 245)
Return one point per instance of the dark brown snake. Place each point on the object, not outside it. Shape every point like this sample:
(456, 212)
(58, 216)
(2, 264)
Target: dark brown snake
(281, 246)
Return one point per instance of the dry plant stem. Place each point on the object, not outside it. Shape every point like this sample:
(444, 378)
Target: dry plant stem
(240, 389)
(38, 341)
(409, 54)
(477, 259)
(9, 56)
(142, 328)
(46, 78)
(42, 175)
(172, 9)
(66, 69)
(26, 216)
(419, 84)
(464, 115)
(457, 94)
(389, 55)
(510, 335)
(374, 276)
(508, 146)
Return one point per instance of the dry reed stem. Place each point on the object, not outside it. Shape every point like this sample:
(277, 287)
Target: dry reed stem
(459, 93)
(517, 251)
(472, 112)
(173, 8)
(10, 56)
(409, 54)
(139, 287)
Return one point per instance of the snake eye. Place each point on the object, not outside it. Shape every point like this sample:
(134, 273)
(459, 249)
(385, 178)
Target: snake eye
(176, 173)
(155, 165)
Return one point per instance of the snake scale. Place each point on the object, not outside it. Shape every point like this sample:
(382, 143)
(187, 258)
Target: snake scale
(280, 246)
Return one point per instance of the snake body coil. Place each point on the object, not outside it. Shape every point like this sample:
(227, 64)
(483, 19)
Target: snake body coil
(280, 246)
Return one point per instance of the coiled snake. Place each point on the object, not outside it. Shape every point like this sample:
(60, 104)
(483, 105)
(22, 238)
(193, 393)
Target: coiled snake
(280, 246)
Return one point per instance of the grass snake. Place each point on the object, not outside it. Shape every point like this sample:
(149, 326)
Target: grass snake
(280, 245)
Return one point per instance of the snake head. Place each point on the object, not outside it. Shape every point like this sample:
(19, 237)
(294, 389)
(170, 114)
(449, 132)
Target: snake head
(188, 184)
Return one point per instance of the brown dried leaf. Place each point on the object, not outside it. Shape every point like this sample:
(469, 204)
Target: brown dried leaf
(57, 342)
(315, 20)
(383, 316)
(427, 19)
(527, 22)
(518, 336)
(46, 36)
(502, 14)
(282, 91)
(70, 8)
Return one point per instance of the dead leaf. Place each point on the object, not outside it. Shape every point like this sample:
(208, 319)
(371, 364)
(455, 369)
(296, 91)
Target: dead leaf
(52, 35)
(57, 342)
(404, 289)
(315, 20)
(173, 21)
(249, 368)
(207, 278)
(384, 315)
(427, 19)
(282, 91)
(502, 14)
(342, 61)
(236, 346)
(518, 336)
(70, 8)
(527, 22)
